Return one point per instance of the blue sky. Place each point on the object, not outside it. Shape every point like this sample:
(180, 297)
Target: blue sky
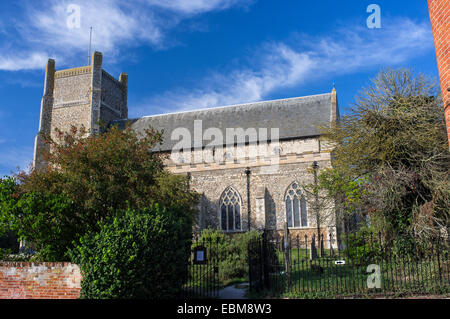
(191, 54)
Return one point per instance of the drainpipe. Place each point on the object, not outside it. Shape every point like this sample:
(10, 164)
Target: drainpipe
(247, 172)
(188, 177)
(316, 204)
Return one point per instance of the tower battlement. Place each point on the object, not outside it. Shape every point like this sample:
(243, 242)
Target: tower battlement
(83, 96)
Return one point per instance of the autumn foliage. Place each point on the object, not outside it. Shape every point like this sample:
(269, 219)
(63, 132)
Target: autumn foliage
(88, 179)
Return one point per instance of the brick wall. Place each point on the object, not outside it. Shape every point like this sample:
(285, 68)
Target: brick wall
(440, 24)
(39, 281)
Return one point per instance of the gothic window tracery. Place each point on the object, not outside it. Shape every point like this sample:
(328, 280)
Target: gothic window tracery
(230, 210)
(296, 210)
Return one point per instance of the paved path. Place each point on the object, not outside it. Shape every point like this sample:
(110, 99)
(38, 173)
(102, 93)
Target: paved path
(234, 291)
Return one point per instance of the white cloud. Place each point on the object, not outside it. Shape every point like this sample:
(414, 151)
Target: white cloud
(117, 25)
(114, 25)
(197, 6)
(33, 60)
(282, 65)
(15, 157)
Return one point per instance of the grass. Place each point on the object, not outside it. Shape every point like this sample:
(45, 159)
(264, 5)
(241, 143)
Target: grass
(326, 278)
(322, 277)
(234, 281)
(436, 293)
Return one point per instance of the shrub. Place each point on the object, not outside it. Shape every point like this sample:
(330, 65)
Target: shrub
(136, 254)
(8, 200)
(235, 263)
(232, 252)
(49, 223)
(88, 179)
(362, 246)
(4, 253)
(10, 242)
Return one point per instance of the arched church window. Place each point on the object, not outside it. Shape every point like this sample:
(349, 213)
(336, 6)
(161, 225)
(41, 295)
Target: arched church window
(296, 212)
(230, 210)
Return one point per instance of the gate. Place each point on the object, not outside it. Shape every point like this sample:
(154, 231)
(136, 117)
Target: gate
(203, 270)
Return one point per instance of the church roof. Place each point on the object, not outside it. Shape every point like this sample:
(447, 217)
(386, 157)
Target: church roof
(295, 117)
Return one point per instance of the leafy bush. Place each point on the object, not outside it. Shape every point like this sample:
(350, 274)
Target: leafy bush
(234, 262)
(136, 254)
(409, 245)
(48, 222)
(10, 242)
(362, 246)
(8, 188)
(87, 180)
(4, 254)
(8, 237)
(232, 252)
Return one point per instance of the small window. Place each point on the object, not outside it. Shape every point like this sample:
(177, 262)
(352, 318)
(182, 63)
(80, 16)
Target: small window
(230, 210)
(296, 212)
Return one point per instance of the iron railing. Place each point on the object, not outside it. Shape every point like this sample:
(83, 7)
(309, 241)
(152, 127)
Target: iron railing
(354, 264)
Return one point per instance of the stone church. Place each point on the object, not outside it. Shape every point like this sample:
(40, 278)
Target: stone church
(253, 180)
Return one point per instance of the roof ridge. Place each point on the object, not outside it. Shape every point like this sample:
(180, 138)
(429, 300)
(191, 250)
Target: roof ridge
(231, 106)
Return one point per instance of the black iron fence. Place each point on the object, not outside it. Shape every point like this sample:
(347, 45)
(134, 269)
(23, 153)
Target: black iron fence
(203, 270)
(355, 264)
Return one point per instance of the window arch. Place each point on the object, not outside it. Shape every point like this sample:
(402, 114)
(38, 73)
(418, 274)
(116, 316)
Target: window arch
(230, 210)
(296, 211)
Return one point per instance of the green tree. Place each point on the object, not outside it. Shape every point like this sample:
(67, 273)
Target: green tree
(335, 198)
(8, 200)
(395, 138)
(89, 178)
(48, 222)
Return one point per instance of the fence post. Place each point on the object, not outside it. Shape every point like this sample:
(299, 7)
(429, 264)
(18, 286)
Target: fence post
(265, 269)
(306, 246)
(322, 250)
(297, 263)
(286, 254)
(331, 245)
(249, 261)
(438, 248)
(382, 253)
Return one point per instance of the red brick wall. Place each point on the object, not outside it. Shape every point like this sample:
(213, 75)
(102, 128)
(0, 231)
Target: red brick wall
(39, 281)
(440, 23)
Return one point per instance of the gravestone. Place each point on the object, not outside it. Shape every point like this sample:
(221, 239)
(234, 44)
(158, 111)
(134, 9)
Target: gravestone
(313, 249)
(321, 248)
(287, 253)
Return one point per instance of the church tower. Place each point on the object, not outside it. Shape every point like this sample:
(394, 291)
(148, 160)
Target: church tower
(84, 96)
